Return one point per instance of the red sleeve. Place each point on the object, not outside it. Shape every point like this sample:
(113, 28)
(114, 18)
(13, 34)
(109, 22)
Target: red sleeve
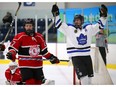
(15, 43)
(14, 46)
(43, 47)
(7, 74)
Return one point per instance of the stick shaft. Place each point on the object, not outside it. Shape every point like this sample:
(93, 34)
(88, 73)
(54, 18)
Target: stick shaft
(10, 29)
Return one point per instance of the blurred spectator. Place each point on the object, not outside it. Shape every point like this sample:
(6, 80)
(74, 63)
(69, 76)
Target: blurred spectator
(102, 44)
(7, 19)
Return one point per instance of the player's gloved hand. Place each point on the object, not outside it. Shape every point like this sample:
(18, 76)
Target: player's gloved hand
(103, 11)
(54, 59)
(2, 47)
(9, 55)
(55, 10)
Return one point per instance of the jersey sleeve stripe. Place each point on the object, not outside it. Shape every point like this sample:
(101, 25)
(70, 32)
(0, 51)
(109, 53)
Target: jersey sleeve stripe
(100, 23)
(11, 47)
(43, 52)
(58, 23)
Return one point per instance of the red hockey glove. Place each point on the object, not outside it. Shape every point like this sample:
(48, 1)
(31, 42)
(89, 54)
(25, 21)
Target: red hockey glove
(2, 47)
(54, 59)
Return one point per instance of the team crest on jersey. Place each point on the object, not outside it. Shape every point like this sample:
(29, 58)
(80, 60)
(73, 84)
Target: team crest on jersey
(82, 39)
(34, 51)
(75, 31)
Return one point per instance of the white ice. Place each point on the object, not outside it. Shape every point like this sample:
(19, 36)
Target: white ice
(61, 74)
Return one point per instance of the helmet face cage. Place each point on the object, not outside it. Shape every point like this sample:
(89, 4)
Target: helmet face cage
(79, 17)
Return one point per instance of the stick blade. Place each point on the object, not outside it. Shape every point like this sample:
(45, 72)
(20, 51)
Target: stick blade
(19, 3)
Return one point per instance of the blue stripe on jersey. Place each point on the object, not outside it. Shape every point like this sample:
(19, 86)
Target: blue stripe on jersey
(100, 23)
(58, 21)
(70, 25)
(78, 51)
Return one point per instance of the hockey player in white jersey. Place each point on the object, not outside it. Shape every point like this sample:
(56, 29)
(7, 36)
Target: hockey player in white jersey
(79, 41)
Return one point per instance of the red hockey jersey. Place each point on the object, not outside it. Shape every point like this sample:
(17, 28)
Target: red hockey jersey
(13, 78)
(30, 50)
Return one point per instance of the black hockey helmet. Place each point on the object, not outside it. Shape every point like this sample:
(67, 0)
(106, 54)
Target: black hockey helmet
(29, 32)
(79, 17)
(29, 21)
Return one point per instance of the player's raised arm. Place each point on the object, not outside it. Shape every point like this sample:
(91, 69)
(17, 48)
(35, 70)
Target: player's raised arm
(58, 22)
(103, 16)
(94, 28)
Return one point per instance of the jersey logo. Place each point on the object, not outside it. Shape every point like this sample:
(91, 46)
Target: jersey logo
(34, 51)
(82, 39)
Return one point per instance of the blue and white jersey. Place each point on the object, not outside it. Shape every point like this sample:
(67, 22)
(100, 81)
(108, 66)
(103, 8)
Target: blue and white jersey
(79, 41)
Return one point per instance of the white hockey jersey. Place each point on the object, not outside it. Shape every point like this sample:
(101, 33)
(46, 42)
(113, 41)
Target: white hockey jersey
(79, 41)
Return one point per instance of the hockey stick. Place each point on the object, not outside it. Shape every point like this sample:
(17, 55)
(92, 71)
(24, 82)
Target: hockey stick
(59, 60)
(10, 28)
(52, 23)
(43, 59)
(49, 26)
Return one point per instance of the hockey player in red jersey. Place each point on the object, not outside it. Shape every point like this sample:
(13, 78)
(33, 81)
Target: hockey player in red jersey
(30, 47)
(13, 75)
(79, 41)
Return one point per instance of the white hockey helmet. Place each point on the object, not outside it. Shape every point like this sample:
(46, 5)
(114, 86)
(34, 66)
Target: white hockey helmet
(13, 64)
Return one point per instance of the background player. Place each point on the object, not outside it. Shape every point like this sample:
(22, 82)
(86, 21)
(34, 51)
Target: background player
(13, 74)
(102, 44)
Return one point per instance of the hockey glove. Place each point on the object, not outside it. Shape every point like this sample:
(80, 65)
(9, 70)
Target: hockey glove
(11, 56)
(2, 47)
(55, 10)
(103, 11)
(54, 59)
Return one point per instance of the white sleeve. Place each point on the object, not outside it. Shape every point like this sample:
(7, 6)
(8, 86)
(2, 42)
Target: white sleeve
(94, 28)
(61, 25)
